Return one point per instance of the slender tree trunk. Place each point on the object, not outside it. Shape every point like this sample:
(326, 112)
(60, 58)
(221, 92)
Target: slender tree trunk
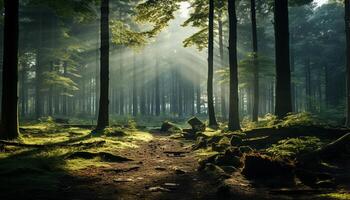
(222, 62)
(308, 85)
(9, 105)
(24, 90)
(211, 110)
(347, 28)
(255, 63)
(121, 84)
(103, 116)
(134, 89)
(142, 88)
(38, 72)
(198, 95)
(157, 94)
(233, 123)
(283, 80)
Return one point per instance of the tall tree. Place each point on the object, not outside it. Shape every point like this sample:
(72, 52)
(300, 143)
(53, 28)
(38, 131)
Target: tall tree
(255, 61)
(283, 79)
(103, 116)
(233, 123)
(9, 106)
(211, 110)
(222, 62)
(347, 28)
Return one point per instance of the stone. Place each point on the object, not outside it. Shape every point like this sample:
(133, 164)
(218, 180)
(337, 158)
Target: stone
(196, 124)
(236, 140)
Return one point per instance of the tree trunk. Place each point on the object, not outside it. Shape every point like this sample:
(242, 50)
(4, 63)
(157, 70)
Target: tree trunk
(233, 123)
(134, 89)
(38, 72)
(103, 116)
(347, 28)
(211, 110)
(9, 114)
(255, 63)
(157, 95)
(283, 104)
(222, 62)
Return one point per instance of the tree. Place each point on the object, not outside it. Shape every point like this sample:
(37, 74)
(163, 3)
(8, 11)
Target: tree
(103, 116)
(9, 106)
(222, 62)
(211, 110)
(255, 62)
(347, 29)
(283, 79)
(233, 123)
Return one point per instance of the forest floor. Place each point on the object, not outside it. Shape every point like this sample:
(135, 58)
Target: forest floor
(134, 164)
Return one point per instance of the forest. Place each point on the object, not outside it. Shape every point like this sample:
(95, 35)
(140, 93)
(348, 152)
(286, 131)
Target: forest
(175, 99)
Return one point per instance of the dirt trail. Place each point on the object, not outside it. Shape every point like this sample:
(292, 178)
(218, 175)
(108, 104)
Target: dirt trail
(162, 169)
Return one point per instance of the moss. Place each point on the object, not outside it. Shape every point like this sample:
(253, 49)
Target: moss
(294, 147)
(336, 196)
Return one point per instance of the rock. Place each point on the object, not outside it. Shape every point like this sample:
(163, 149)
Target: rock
(236, 140)
(196, 124)
(214, 139)
(245, 149)
(202, 163)
(228, 159)
(259, 166)
(221, 145)
(170, 127)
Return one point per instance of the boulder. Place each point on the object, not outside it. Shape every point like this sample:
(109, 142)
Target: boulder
(170, 127)
(196, 124)
(259, 166)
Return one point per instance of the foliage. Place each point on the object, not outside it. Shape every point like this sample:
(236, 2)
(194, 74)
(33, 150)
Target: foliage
(156, 12)
(123, 35)
(294, 147)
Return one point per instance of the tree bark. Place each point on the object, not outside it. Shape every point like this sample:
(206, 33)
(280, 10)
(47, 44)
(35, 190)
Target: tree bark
(157, 94)
(347, 28)
(222, 62)
(211, 110)
(103, 116)
(283, 104)
(233, 123)
(255, 62)
(9, 114)
(134, 89)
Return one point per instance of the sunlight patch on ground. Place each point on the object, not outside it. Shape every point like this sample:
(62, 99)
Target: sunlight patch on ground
(337, 196)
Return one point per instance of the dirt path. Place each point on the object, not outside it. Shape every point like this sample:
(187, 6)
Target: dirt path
(155, 173)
